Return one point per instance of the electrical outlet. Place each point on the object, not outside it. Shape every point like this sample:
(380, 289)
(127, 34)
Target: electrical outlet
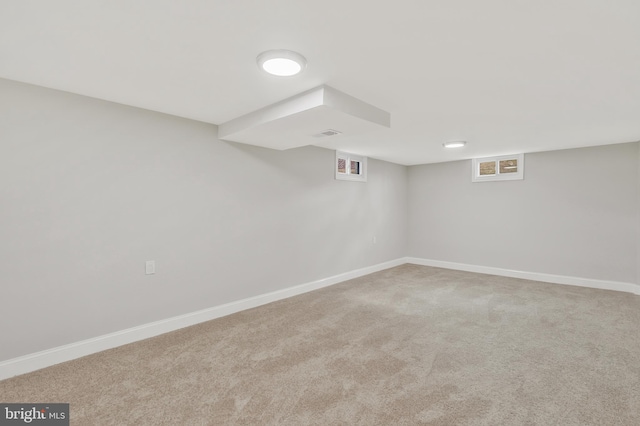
(150, 267)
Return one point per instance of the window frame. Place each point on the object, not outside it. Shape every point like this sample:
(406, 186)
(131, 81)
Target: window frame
(477, 177)
(348, 157)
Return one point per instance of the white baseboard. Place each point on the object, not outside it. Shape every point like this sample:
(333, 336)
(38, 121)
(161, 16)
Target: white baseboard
(534, 276)
(49, 357)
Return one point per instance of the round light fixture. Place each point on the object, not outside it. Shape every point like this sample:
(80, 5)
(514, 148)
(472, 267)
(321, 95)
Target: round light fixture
(283, 63)
(454, 144)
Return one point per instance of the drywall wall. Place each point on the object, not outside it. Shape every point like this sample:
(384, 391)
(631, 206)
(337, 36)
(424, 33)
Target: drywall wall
(90, 190)
(575, 214)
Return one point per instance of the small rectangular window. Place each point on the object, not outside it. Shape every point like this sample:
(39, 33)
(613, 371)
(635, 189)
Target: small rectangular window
(351, 167)
(506, 167)
(342, 165)
(509, 166)
(488, 168)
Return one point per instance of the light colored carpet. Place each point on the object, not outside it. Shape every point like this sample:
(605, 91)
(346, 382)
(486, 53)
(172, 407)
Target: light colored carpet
(409, 345)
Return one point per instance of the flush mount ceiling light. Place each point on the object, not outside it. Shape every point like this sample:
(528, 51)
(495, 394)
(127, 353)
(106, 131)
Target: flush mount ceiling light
(454, 144)
(283, 63)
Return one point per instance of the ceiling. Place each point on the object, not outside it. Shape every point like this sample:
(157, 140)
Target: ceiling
(507, 76)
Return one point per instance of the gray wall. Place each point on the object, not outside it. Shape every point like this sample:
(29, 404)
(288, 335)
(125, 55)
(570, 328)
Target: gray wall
(576, 213)
(89, 190)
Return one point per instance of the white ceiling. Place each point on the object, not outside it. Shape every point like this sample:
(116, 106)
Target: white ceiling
(506, 75)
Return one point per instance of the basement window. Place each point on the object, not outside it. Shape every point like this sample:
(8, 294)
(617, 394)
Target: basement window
(506, 167)
(351, 167)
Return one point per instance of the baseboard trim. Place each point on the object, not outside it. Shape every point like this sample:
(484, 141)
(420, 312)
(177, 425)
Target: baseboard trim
(534, 276)
(49, 357)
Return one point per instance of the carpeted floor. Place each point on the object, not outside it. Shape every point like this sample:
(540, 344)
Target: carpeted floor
(409, 345)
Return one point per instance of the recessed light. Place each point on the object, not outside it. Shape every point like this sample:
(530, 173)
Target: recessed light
(454, 144)
(283, 63)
